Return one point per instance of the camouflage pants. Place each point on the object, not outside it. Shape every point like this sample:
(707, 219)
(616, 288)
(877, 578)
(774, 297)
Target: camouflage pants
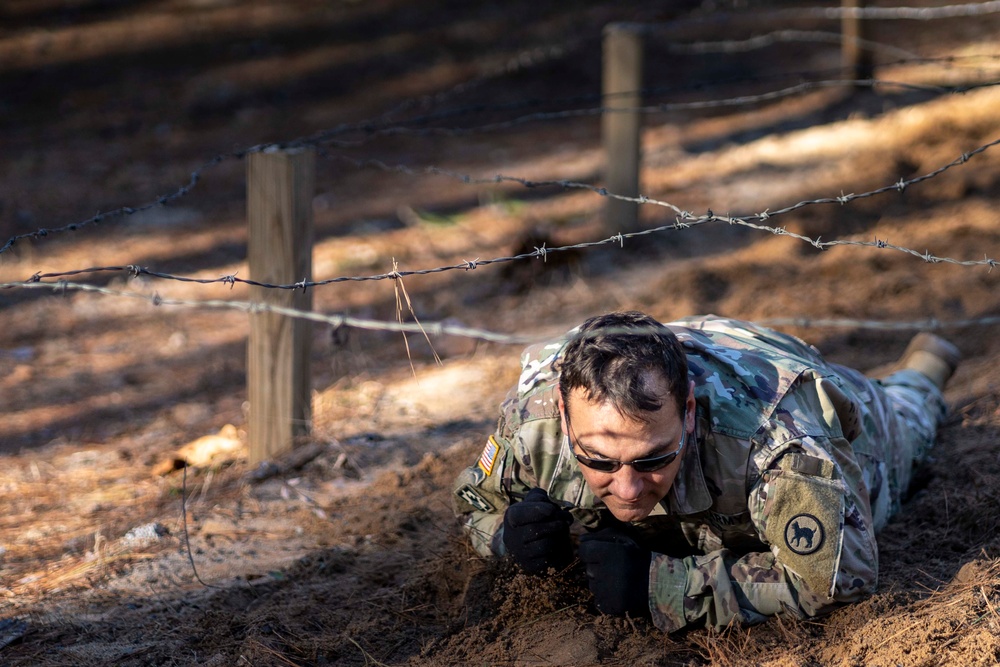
(903, 414)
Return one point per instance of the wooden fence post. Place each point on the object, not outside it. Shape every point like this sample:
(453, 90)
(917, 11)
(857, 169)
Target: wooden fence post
(622, 73)
(857, 59)
(280, 189)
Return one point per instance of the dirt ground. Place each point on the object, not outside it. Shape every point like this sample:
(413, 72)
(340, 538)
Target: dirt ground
(111, 554)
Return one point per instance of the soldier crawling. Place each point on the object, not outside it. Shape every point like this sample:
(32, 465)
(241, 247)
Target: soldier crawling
(721, 472)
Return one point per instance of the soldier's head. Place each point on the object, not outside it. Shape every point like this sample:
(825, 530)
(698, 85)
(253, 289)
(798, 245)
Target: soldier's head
(627, 406)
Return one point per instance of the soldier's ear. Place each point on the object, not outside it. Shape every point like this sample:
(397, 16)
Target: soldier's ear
(691, 414)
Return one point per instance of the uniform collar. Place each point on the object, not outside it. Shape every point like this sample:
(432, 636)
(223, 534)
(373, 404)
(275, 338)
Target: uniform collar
(689, 493)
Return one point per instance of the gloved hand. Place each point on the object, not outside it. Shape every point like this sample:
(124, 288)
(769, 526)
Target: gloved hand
(617, 572)
(536, 533)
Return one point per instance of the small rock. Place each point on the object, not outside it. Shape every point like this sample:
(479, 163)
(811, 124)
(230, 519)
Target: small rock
(143, 536)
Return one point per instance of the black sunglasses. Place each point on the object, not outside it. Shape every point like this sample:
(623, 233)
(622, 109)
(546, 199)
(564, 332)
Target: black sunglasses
(651, 464)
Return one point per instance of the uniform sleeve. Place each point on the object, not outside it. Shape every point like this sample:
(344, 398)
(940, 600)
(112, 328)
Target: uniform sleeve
(514, 459)
(480, 499)
(484, 490)
(813, 513)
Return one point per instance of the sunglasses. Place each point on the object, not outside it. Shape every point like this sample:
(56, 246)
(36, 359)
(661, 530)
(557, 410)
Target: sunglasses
(651, 464)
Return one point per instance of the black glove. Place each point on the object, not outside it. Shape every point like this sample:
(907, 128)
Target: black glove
(617, 572)
(536, 533)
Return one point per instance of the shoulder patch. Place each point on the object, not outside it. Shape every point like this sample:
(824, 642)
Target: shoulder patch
(474, 498)
(804, 525)
(804, 534)
(489, 456)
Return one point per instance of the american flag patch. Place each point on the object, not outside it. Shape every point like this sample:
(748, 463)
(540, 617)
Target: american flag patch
(489, 456)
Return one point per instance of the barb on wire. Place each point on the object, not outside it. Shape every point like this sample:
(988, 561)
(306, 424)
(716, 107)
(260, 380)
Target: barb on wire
(442, 328)
(683, 220)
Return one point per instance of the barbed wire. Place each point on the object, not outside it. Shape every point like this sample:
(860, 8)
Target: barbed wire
(833, 14)
(783, 36)
(542, 55)
(683, 219)
(894, 13)
(123, 211)
(449, 329)
(326, 137)
(373, 129)
(252, 307)
(666, 107)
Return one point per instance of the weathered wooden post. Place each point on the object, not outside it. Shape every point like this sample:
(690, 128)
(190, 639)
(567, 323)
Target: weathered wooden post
(280, 189)
(854, 30)
(621, 85)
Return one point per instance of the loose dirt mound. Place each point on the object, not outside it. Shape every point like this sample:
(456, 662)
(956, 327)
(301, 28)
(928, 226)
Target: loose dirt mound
(348, 553)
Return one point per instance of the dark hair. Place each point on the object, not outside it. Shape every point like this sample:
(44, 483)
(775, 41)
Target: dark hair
(610, 355)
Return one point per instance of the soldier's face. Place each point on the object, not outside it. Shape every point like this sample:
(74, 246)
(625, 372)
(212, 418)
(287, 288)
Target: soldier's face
(599, 431)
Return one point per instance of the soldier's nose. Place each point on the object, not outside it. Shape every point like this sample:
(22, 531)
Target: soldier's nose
(627, 484)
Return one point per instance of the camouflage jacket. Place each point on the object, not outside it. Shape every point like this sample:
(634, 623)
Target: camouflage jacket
(770, 512)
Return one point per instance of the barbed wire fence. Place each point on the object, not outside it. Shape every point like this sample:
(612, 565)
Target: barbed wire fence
(417, 126)
(683, 219)
(331, 143)
(435, 123)
(323, 139)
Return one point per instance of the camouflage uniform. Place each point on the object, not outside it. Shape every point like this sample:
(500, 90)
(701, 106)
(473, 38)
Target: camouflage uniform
(798, 462)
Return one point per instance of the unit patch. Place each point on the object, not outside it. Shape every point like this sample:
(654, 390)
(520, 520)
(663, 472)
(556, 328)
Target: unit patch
(804, 520)
(489, 456)
(804, 534)
(471, 496)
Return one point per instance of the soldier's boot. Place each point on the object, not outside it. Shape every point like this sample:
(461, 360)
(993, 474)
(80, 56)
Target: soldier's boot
(931, 356)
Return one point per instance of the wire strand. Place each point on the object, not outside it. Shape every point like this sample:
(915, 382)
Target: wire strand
(683, 219)
(450, 329)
